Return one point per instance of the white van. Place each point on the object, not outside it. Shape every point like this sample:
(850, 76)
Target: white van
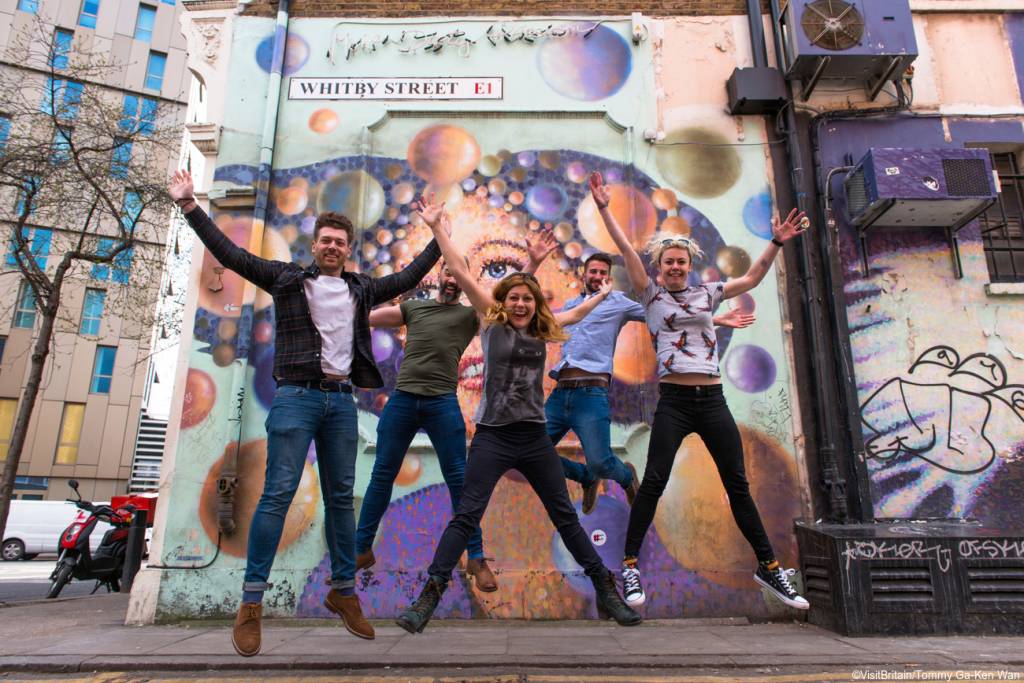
(35, 526)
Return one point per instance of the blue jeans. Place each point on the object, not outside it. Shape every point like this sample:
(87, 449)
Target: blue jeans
(585, 411)
(403, 416)
(299, 416)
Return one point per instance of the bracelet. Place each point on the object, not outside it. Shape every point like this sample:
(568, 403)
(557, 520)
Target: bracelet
(184, 200)
(778, 243)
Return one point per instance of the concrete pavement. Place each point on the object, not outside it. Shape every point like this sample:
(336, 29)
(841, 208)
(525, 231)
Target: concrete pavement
(88, 635)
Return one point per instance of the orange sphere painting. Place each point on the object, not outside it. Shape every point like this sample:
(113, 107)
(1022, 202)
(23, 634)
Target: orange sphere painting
(443, 154)
(631, 208)
(200, 395)
(410, 471)
(252, 464)
(694, 519)
(634, 355)
(323, 121)
(292, 200)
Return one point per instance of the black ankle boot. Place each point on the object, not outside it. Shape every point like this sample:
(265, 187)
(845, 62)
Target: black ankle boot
(415, 619)
(610, 603)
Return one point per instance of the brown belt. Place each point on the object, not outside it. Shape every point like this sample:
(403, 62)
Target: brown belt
(580, 383)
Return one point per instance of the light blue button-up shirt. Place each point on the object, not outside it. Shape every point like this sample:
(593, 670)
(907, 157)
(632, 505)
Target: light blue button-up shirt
(591, 344)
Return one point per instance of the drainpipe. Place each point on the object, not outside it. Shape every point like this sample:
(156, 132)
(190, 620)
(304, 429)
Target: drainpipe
(757, 44)
(228, 480)
(832, 481)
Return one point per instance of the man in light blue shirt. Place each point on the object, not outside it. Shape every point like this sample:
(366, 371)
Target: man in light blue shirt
(580, 400)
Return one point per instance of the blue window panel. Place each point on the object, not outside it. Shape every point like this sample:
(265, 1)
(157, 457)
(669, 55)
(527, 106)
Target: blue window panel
(41, 238)
(92, 311)
(144, 23)
(122, 267)
(31, 185)
(122, 156)
(31, 6)
(139, 115)
(61, 98)
(90, 10)
(12, 247)
(3, 343)
(25, 313)
(131, 208)
(61, 48)
(5, 130)
(101, 271)
(61, 145)
(102, 370)
(155, 70)
(168, 2)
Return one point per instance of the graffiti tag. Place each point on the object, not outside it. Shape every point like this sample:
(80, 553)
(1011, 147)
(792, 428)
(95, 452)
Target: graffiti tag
(773, 415)
(992, 548)
(902, 550)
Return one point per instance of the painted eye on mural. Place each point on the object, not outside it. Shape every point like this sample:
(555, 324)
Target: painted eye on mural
(498, 268)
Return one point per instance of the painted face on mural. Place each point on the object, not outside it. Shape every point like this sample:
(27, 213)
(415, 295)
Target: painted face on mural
(674, 268)
(331, 249)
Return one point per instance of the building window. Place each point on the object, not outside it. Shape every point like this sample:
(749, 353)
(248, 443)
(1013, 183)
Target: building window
(117, 270)
(144, 23)
(1002, 226)
(155, 70)
(39, 246)
(90, 10)
(61, 98)
(92, 311)
(139, 115)
(30, 6)
(61, 48)
(61, 145)
(168, 2)
(3, 343)
(102, 370)
(70, 434)
(8, 407)
(31, 496)
(31, 186)
(5, 130)
(121, 158)
(25, 311)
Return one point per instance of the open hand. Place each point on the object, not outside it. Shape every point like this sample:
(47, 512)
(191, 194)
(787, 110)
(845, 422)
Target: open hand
(598, 190)
(429, 209)
(735, 318)
(181, 186)
(605, 289)
(795, 224)
(539, 247)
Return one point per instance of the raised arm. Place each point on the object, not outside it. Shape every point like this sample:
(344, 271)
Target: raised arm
(387, 316)
(634, 265)
(795, 224)
(578, 313)
(259, 271)
(388, 287)
(437, 219)
(538, 249)
(734, 318)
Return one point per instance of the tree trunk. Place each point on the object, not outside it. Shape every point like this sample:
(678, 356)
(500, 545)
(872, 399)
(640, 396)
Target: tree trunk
(40, 352)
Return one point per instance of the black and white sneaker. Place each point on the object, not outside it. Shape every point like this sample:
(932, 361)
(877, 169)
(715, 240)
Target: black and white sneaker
(777, 582)
(632, 591)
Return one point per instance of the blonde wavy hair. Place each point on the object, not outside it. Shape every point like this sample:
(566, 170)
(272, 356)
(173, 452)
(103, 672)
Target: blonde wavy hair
(543, 326)
(663, 241)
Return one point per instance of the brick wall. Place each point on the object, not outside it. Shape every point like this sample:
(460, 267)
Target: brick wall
(414, 8)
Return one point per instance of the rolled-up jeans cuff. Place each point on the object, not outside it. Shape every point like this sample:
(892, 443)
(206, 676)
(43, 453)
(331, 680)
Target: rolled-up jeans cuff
(338, 584)
(255, 586)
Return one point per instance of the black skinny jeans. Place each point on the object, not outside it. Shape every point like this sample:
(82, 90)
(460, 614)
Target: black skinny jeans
(682, 410)
(526, 447)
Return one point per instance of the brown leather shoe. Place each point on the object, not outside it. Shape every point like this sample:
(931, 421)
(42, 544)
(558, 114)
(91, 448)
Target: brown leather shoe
(485, 580)
(634, 486)
(590, 497)
(347, 607)
(246, 634)
(365, 560)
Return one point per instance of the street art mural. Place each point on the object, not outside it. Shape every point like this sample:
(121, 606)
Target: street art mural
(503, 178)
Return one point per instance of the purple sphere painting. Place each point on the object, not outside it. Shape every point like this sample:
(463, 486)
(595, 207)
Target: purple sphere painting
(750, 368)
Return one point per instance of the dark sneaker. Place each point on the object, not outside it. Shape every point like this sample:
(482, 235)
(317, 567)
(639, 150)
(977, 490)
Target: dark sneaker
(365, 560)
(777, 582)
(631, 588)
(485, 580)
(590, 497)
(634, 485)
(415, 619)
(609, 602)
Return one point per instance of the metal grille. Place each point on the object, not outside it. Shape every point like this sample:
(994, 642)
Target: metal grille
(1004, 585)
(832, 24)
(901, 585)
(1002, 226)
(856, 192)
(966, 177)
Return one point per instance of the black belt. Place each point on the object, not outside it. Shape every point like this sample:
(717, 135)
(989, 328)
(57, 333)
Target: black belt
(318, 384)
(580, 383)
(690, 389)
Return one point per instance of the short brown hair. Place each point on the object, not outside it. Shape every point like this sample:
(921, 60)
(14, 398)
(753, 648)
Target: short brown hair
(338, 221)
(598, 256)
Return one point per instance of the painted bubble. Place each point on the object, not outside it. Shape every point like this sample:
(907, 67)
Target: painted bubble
(496, 200)
(664, 199)
(394, 171)
(384, 237)
(369, 251)
(356, 194)
(403, 193)
(676, 225)
(223, 355)
(710, 274)
(275, 248)
(516, 198)
(497, 186)
(613, 174)
(410, 471)
(263, 332)
(744, 302)
(634, 360)
(291, 200)
(750, 367)
(296, 53)
(323, 121)
(576, 171)
(263, 383)
(631, 208)
(585, 68)
(443, 154)
(383, 345)
(307, 225)
(227, 329)
(489, 165)
(757, 215)
(504, 155)
(546, 202)
(563, 232)
(526, 159)
(549, 159)
(732, 261)
(468, 185)
(289, 233)
(517, 174)
(573, 250)
(200, 396)
(706, 167)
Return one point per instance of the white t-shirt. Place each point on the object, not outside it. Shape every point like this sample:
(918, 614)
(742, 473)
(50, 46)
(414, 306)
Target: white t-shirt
(333, 308)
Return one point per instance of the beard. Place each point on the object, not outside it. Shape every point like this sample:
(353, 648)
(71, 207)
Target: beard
(450, 294)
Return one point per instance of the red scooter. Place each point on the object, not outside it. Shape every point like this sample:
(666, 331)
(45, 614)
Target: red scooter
(105, 565)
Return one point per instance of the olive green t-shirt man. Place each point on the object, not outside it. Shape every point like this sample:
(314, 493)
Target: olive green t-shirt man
(436, 336)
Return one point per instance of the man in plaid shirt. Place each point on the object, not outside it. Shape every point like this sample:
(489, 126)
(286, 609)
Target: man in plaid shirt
(322, 348)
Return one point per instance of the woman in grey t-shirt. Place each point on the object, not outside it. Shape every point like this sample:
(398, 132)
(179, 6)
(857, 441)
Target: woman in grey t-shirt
(517, 325)
(679, 316)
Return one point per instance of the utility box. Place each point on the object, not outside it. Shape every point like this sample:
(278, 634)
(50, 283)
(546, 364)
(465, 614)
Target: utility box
(906, 577)
(755, 90)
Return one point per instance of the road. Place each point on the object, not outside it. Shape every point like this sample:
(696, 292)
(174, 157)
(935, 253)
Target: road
(20, 581)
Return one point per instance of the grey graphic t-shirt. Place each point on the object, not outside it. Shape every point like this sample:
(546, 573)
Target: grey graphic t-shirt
(681, 327)
(513, 377)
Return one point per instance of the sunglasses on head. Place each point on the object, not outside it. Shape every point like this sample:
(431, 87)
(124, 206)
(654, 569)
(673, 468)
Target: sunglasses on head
(675, 240)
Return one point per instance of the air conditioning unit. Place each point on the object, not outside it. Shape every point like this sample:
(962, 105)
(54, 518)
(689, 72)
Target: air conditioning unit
(868, 41)
(942, 188)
